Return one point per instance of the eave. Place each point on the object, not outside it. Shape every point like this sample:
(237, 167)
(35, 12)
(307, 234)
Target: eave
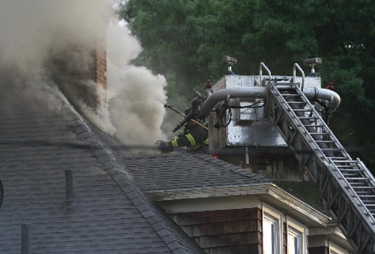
(188, 200)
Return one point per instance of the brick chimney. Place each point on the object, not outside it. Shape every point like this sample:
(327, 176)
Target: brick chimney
(100, 63)
(76, 64)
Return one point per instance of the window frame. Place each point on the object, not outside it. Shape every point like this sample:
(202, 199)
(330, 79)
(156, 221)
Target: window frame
(272, 213)
(295, 226)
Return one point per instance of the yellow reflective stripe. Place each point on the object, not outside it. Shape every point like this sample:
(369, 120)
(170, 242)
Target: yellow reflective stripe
(191, 139)
(206, 142)
(174, 143)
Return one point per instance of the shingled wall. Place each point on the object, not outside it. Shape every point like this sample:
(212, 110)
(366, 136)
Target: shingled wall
(319, 250)
(226, 231)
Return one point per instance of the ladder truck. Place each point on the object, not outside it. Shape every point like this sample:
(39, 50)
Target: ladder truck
(285, 112)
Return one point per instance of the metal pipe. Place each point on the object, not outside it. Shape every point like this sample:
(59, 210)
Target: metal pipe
(25, 239)
(231, 93)
(69, 193)
(332, 97)
(261, 92)
(208, 92)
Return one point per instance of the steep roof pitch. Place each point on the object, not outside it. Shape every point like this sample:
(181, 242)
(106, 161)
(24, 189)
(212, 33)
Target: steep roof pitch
(111, 215)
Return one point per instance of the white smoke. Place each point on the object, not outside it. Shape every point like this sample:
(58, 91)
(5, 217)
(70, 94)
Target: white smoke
(48, 42)
(31, 28)
(136, 105)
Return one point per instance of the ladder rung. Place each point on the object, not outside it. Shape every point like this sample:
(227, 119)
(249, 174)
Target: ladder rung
(331, 149)
(307, 118)
(364, 192)
(290, 95)
(357, 178)
(348, 176)
(301, 110)
(345, 161)
(367, 200)
(341, 160)
(358, 184)
(325, 141)
(363, 187)
(285, 87)
(349, 170)
(368, 196)
(314, 125)
(343, 167)
(296, 102)
(347, 173)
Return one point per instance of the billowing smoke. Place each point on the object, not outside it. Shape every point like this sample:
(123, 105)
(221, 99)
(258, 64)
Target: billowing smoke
(31, 29)
(47, 45)
(136, 105)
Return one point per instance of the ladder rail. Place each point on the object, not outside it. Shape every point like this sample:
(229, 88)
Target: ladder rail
(319, 122)
(295, 67)
(372, 178)
(261, 66)
(354, 193)
(324, 165)
(324, 126)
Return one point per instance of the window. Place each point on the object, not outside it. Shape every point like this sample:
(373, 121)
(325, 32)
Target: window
(294, 241)
(296, 237)
(270, 234)
(281, 232)
(272, 227)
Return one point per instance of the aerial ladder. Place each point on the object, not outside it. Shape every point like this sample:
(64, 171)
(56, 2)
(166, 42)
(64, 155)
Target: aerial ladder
(346, 186)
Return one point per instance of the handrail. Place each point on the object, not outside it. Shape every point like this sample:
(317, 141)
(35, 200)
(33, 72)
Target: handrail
(302, 72)
(260, 71)
(352, 191)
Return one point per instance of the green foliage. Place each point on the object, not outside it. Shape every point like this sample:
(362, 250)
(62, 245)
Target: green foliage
(186, 40)
(305, 191)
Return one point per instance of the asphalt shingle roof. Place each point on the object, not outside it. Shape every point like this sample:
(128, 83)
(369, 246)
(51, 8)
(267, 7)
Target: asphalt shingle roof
(111, 215)
(184, 170)
(40, 140)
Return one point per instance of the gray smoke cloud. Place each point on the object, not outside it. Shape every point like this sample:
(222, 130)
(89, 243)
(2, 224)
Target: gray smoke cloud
(30, 29)
(137, 96)
(47, 46)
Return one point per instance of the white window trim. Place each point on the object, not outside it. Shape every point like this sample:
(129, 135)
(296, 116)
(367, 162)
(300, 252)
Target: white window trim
(290, 222)
(268, 210)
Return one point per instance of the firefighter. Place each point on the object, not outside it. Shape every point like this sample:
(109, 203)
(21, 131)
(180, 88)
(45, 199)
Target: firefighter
(194, 136)
(330, 85)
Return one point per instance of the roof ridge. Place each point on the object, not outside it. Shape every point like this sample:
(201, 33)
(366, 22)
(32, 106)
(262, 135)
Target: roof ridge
(151, 213)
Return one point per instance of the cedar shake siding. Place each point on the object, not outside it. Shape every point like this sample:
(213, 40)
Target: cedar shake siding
(226, 231)
(319, 250)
